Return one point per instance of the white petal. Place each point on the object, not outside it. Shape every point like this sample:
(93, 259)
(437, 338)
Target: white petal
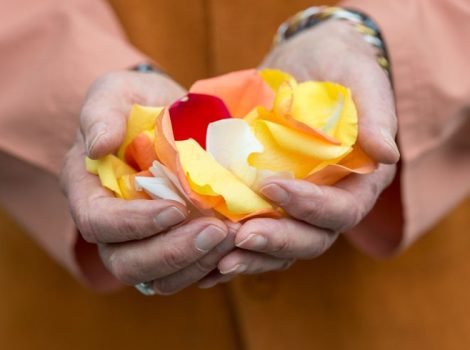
(162, 172)
(158, 188)
(230, 142)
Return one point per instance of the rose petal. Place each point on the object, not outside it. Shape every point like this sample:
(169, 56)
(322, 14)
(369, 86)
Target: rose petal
(326, 107)
(230, 142)
(209, 178)
(241, 91)
(191, 116)
(128, 186)
(159, 186)
(140, 153)
(140, 119)
(275, 78)
(109, 169)
(282, 114)
(357, 162)
(165, 148)
(277, 159)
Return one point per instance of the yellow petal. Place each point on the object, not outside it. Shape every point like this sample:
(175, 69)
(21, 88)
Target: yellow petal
(275, 77)
(91, 165)
(276, 158)
(209, 178)
(140, 119)
(109, 169)
(327, 107)
(294, 141)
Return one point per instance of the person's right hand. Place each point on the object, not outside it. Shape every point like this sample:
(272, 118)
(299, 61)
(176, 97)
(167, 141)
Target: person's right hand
(138, 240)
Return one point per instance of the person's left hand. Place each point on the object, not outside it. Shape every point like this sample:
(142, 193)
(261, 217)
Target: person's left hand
(332, 51)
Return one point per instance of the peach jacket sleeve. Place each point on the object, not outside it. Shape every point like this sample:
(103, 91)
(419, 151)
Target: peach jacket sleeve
(51, 51)
(430, 55)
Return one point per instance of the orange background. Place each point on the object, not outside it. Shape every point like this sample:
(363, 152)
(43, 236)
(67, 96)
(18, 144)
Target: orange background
(343, 300)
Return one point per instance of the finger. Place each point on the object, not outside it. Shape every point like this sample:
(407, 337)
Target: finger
(104, 114)
(164, 254)
(245, 262)
(103, 117)
(284, 238)
(214, 278)
(337, 208)
(195, 272)
(102, 218)
(373, 95)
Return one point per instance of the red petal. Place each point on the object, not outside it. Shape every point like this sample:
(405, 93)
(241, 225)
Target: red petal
(191, 116)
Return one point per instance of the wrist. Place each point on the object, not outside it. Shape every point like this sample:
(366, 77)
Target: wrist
(347, 21)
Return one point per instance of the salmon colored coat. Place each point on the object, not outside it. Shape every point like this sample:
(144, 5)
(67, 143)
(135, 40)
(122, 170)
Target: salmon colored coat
(52, 50)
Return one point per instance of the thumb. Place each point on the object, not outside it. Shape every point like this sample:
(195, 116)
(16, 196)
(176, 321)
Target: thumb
(377, 117)
(103, 116)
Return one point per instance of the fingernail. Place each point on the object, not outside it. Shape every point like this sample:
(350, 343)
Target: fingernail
(96, 131)
(253, 242)
(169, 217)
(276, 193)
(239, 268)
(210, 237)
(392, 145)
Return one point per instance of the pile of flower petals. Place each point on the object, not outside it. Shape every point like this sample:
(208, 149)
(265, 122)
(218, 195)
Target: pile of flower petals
(212, 148)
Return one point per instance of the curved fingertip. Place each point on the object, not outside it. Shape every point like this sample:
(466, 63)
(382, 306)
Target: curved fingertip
(103, 140)
(381, 147)
(232, 263)
(246, 230)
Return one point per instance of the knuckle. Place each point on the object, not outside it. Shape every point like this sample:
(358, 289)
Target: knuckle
(282, 244)
(127, 228)
(204, 265)
(316, 249)
(174, 258)
(352, 216)
(122, 269)
(311, 213)
(312, 209)
(85, 223)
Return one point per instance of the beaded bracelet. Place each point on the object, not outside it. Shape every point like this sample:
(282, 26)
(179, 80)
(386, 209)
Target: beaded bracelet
(148, 68)
(314, 15)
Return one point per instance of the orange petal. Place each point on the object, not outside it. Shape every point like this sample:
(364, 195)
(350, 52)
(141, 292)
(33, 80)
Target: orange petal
(167, 153)
(266, 213)
(357, 162)
(128, 189)
(141, 118)
(140, 153)
(241, 91)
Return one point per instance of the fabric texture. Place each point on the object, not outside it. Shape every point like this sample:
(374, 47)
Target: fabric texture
(433, 106)
(51, 52)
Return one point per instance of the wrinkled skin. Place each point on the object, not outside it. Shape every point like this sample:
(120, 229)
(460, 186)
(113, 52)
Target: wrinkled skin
(137, 244)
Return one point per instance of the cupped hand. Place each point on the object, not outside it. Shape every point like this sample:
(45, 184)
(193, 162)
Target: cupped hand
(331, 51)
(138, 240)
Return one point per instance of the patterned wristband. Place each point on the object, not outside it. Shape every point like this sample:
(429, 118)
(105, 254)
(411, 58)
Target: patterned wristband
(314, 15)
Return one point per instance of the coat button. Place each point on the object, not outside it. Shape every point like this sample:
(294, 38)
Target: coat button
(261, 286)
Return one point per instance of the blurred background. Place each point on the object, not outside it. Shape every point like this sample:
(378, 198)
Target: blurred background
(345, 300)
